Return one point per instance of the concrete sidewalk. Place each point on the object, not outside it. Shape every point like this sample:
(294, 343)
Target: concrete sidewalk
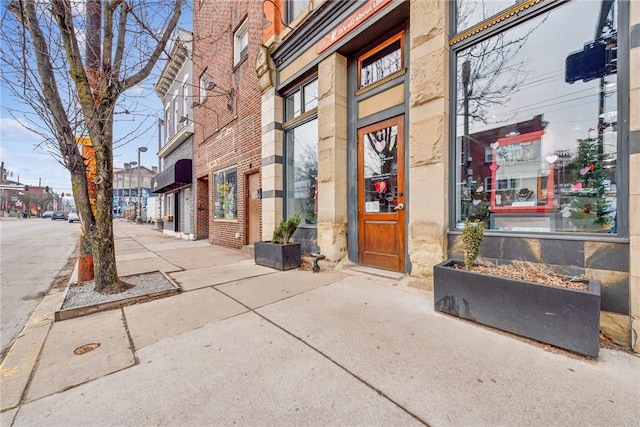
(248, 345)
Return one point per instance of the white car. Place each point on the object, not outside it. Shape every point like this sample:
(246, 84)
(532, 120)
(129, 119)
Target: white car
(73, 217)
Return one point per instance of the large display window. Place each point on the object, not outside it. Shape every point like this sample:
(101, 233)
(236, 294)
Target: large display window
(301, 152)
(537, 122)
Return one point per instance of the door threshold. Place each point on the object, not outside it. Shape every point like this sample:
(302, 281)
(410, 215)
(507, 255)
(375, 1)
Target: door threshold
(396, 275)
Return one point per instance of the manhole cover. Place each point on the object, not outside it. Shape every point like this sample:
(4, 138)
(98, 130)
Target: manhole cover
(86, 348)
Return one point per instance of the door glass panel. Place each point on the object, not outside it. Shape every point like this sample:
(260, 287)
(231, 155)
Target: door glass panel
(381, 170)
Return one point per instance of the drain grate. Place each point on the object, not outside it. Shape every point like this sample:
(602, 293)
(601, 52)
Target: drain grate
(86, 348)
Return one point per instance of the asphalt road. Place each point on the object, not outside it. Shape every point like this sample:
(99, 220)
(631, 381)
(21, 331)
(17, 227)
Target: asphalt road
(32, 253)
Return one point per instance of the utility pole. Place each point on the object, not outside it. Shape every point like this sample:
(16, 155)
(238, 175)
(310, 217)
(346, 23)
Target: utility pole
(93, 19)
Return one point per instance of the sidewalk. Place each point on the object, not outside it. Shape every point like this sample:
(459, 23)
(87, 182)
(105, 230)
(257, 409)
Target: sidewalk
(248, 345)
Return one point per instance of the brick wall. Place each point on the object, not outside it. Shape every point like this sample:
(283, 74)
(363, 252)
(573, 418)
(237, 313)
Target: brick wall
(227, 130)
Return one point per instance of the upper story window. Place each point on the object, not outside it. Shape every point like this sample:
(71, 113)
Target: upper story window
(167, 123)
(381, 61)
(294, 8)
(203, 87)
(185, 99)
(241, 42)
(176, 115)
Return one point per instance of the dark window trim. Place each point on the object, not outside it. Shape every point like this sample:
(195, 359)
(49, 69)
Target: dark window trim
(298, 87)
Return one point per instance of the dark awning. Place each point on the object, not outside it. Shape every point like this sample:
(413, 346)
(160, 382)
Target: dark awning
(175, 176)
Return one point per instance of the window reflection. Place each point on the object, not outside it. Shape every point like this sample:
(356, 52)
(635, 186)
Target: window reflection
(472, 12)
(538, 138)
(381, 170)
(302, 171)
(226, 186)
(382, 61)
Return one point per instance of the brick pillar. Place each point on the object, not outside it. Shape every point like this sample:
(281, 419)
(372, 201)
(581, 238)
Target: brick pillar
(428, 138)
(634, 175)
(332, 156)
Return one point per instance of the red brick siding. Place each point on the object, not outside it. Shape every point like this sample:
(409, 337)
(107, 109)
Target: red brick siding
(226, 138)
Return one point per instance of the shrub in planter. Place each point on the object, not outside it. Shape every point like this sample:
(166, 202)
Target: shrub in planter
(280, 253)
(565, 317)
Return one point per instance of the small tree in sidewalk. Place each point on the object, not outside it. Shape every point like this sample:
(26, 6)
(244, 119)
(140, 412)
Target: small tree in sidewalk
(73, 95)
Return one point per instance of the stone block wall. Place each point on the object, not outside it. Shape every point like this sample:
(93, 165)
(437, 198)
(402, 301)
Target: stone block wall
(332, 152)
(428, 136)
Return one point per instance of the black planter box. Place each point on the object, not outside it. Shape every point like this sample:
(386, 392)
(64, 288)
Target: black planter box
(274, 255)
(565, 318)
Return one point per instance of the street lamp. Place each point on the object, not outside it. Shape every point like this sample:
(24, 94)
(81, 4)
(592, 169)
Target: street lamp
(139, 207)
(131, 165)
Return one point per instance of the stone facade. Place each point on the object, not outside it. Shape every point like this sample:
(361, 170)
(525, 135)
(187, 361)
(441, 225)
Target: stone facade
(290, 56)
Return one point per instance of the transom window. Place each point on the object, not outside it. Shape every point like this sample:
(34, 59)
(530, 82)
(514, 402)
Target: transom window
(382, 61)
(303, 100)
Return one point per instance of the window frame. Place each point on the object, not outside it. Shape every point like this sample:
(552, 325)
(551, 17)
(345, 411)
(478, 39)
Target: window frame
(491, 27)
(290, 15)
(203, 84)
(240, 51)
(185, 99)
(224, 173)
(291, 125)
(369, 53)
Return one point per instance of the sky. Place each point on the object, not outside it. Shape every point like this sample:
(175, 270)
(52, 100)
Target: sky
(138, 111)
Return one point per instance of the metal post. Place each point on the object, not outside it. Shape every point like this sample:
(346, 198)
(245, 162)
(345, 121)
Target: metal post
(138, 194)
(132, 164)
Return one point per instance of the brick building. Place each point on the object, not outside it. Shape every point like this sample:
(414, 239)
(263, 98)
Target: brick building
(227, 117)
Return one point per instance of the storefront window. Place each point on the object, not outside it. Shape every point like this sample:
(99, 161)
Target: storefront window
(382, 61)
(302, 171)
(301, 148)
(226, 191)
(536, 125)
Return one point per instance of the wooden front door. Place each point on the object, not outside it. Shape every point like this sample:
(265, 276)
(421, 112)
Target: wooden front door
(381, 195)
(253, 208)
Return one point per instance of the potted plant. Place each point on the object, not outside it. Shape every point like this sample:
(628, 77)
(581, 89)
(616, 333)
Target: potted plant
(280, 253)
(565, 315)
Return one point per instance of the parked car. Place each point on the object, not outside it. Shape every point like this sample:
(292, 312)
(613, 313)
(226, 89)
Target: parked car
(58, 215)
(73, 217)
(47, 214)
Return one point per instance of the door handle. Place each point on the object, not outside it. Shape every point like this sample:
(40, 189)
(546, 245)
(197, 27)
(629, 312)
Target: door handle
(399, 207)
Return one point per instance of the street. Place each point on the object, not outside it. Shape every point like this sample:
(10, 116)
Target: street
(32, 253)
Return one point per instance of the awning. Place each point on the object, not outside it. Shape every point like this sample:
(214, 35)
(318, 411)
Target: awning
(175, 176)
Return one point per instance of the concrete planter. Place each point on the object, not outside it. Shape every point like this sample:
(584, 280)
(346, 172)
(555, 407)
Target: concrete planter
(565, 318)
(274, 255)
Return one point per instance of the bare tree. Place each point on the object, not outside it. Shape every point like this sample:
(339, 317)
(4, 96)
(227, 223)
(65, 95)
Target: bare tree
(76, 95)
(495, 68)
